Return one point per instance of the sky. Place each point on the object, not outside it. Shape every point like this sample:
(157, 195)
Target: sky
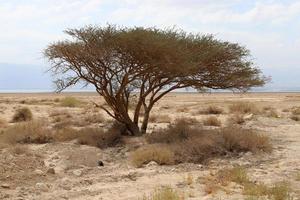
(269, 28)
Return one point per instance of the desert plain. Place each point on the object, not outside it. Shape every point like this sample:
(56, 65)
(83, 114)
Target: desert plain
(67, 167)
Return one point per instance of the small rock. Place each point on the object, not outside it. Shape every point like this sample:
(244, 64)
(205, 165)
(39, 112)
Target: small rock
(152, 164)
(5, 185)
(42, 186)
(77, 172)
(38, 172)
(51, 171)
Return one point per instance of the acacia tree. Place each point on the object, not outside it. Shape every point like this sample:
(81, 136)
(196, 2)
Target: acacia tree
(149, 63)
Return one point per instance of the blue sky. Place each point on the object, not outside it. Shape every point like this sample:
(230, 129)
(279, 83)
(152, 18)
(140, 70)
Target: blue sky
(269, 28)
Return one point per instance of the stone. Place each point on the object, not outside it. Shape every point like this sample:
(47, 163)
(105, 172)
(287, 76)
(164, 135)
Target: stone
(77, 172)
(42, 187)
(5, 185)
(38, 172)
(152, 164)
(51, 171)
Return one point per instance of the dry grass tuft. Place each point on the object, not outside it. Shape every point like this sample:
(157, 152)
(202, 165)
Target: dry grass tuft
(70, 102)
(164, 193)
(27, 132)
(22, 114)
(212, 121)
(159, 153)
(163, 118)
(212, 110)
(20, 150)
(243, 108)
(95, 118)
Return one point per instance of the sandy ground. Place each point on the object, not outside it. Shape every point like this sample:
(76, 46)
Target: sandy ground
(77, 175)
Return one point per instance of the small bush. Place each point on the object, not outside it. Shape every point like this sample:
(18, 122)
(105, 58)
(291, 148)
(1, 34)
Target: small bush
(179, 130)
(154, 118)
(214, 110)
(70, 102)
(242, 140)
(212, 121)
(98, 137)
(158, 153)
(243, 107)
(27, 132)
(164, 193)
(22, 114)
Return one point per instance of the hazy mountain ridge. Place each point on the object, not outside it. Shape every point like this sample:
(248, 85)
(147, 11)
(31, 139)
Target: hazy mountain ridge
(18, 77)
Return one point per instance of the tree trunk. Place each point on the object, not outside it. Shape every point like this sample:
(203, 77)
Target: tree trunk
(145, 121)
(133, 128)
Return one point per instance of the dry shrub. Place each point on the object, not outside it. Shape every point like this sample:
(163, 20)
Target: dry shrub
(154, 118)
(164, 193)
(236, 119)
(214, 110)
(198, 149)
(243, 140)
(243, 107)
(70, 102)
(197, 145)
(65, 134)
(212, 121)
(95, 118)
(99, 138)
(278, 191)
(22, 114)
(286, 110)
(177, 131)
(161, 154)
(27, 132)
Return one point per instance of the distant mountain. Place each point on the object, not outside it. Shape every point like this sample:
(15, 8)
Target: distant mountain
(20, 78)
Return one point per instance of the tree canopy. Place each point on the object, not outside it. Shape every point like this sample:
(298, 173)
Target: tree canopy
(148, 63)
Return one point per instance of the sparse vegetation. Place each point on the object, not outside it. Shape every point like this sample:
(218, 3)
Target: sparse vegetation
(3, 123)
(212, 121)
(191, 144)
(27, 132)
(70, 102)
(161, 154)
(214, 110)
(242, 140)
(243, 108)
(22, 115)
(164, 193)
(162, 118)
(98, 137)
